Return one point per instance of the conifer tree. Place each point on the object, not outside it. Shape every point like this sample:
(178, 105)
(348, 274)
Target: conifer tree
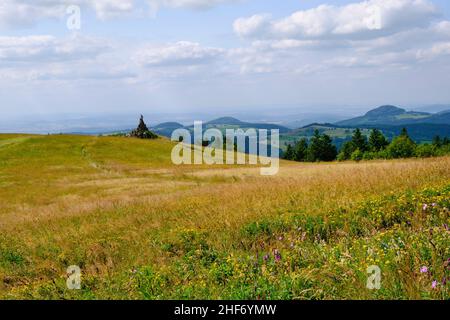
(377, 141)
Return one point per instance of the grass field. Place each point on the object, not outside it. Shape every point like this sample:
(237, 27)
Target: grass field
(142, 228)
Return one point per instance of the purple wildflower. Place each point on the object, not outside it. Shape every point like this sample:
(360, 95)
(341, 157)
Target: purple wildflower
(266, 257)
(434, 284)
(424, 269)
(277, 255)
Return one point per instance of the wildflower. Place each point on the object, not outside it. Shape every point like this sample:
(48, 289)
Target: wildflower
(277, 255)
(423, 269)
(266, 257)
(424, 207)
(434, 204)
(280, 238)
(444, 281)
(434, 284)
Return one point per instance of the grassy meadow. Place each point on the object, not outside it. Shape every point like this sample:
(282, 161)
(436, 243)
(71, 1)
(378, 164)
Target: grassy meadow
(141, 228)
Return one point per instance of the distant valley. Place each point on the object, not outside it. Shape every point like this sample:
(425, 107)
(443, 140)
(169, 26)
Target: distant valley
(422, 126)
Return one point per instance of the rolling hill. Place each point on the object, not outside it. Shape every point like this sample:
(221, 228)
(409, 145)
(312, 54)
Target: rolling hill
(394, 116)
(422, 126)
(233, 123)
(166, 129)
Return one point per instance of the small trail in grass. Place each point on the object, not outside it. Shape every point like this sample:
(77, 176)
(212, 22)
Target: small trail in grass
(13, 141)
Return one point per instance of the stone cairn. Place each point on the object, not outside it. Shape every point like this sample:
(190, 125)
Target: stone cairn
(142, 131)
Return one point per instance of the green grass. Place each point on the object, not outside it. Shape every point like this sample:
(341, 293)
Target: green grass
(142, 228)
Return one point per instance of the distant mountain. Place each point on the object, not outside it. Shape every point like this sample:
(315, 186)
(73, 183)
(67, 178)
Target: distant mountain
(226, 121)
(233, 123)
(434, 108)
(390, 115)
(439, 118)
(166, 128)
(394, 116)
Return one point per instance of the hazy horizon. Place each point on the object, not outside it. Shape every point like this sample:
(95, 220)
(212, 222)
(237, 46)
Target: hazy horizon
(94, 122)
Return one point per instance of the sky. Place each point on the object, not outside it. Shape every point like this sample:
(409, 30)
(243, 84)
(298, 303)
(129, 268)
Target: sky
(181, 56)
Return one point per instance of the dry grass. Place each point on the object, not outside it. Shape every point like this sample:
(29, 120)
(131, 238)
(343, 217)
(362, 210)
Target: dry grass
(107, 204)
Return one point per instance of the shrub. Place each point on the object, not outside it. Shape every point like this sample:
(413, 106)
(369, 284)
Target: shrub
(425, 151)
(370, 155)
(357, 155)
(401, 147)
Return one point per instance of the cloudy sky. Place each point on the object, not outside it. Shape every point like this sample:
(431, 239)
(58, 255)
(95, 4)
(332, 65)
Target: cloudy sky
(186, 55)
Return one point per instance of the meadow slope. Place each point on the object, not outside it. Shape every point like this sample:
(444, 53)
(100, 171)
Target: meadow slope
(142, 228)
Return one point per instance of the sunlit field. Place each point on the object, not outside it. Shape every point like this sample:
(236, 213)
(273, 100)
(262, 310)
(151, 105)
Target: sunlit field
(140, 227)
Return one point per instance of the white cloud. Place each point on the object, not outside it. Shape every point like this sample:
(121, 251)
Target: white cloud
(182, 53)
(25, 13)
(252, 60)
(381, 34)
(45, 48)
(43, 57)
(252, 26)
(436, 51)
(106, 9)
(362, 20)
(191, 4)
(320, 43)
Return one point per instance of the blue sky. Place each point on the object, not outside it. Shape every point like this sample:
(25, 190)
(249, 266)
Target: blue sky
(223, 55)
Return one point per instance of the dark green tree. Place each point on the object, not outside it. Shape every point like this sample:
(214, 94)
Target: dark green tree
(289, 154)
(314, 147)
(346, 151)
(377, 141)
(321, 148)
(329, 151)
(301, 150)
(404, 133)
(359, 141)
(437, 141)
(446, 141)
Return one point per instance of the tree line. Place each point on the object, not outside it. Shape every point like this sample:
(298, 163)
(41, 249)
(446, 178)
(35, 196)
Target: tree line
(320, 148)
